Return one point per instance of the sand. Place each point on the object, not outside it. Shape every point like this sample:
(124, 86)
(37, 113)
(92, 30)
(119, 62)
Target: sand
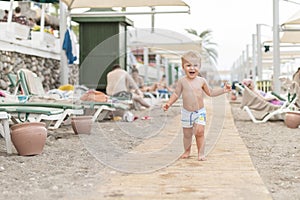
(67, 167)
(67, 170)
(275, 152)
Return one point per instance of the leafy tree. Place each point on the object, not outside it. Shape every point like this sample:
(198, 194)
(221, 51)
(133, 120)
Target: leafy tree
(209, 51)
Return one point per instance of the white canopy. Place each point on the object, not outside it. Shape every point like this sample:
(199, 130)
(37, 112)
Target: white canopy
(121, 3)
(289, 54)
(290, 37)
(295, 19)
(168, 44)
(163, 40)
(291, 30)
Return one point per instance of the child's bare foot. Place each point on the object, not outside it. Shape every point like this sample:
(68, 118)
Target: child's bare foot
(185, 155)
(202, 158)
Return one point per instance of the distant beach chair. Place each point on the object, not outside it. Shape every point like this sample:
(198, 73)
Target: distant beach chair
(163, 94)
(251, 101)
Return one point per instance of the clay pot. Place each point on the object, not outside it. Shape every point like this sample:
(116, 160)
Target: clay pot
(82, 124)
(29, 138)
(233, 97)
(292, 119)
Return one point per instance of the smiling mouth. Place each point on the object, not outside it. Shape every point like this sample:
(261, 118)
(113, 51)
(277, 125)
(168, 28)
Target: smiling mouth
(192, 73)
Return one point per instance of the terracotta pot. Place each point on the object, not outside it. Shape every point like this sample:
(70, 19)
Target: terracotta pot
(292, 119)
(233, 97)
(82, 124)
(29, 138)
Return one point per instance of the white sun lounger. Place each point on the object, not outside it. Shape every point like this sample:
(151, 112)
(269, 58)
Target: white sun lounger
(4, 131)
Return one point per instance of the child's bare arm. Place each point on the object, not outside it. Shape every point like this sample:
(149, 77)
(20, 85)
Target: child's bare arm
(216, 92)
(176, 94)
(172, 100)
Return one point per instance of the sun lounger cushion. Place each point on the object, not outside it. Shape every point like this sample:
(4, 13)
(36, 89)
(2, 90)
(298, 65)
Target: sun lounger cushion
(253, 101)
(93, 95)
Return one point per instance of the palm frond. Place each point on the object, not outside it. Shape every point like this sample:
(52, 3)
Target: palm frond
(205, 33)
(192, 31)
(209, 51)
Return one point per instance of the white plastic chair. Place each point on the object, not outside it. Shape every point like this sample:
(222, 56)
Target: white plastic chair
(5, 132)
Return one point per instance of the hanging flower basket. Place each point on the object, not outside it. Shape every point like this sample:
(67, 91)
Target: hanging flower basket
(29, 138)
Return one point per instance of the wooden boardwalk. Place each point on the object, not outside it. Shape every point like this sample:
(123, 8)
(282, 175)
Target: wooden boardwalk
(227, 174)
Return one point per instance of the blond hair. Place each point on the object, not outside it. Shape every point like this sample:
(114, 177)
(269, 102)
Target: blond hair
(186, 57)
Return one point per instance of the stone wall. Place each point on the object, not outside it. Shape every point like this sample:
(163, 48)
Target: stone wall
(46, 68)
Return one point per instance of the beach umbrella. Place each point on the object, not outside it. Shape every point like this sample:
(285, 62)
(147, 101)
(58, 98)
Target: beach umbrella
(291, 30)
(121, 3)
(71, 4)
(294, 20)
(163, 39)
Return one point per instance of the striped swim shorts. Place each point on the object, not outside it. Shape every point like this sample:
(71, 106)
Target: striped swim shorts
(189, 118)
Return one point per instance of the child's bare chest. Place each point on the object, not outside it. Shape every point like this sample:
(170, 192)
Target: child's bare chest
(195, 86)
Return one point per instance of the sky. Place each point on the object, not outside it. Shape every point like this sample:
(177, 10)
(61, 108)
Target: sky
(233, 22)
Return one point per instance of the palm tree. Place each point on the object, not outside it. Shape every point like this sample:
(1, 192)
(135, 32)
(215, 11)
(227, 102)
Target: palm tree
(209, 51)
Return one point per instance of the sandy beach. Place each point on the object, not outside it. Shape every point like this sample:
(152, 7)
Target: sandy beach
(69, 169)
(69, 166)
(275, 152)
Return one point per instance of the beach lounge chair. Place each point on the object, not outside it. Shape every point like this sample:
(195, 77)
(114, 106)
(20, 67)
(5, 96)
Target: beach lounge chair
(19, 114)
(103, 108)
(15, 113)
(13, 81)
(252, 102)
(163, 94)
(29, 84)
(102, 104)
(43, 111)
(4, 131)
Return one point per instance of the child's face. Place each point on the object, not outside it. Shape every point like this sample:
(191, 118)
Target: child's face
(191, 68)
